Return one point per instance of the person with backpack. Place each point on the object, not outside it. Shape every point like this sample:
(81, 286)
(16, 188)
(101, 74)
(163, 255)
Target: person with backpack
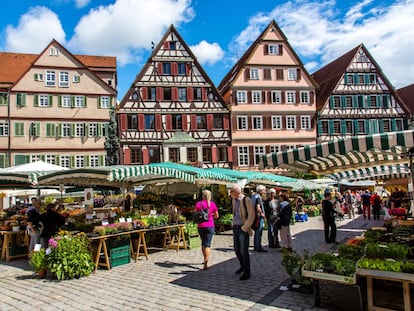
(258, 225)
(285, 215)
(376, 205)
(243, 218)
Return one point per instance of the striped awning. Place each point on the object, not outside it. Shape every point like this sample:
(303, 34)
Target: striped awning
(345, 154)
(383, 172)
(201, 175)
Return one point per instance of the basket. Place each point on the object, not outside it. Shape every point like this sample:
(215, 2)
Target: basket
(115, 262)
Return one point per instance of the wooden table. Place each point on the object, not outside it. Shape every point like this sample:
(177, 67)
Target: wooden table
(8, 237)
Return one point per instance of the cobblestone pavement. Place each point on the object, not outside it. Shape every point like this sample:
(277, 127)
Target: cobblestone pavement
(174, 281)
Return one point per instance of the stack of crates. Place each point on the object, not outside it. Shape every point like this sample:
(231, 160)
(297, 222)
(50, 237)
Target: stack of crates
(119, 252)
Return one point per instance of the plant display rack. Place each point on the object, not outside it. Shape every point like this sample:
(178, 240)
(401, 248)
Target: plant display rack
(329, 277)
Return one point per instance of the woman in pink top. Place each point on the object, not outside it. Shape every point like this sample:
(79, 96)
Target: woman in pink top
(206, 229)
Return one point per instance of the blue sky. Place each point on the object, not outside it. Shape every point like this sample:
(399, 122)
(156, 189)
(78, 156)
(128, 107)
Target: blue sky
(218, 32)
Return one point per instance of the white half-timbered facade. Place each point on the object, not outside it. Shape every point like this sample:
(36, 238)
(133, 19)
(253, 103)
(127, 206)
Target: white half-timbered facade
(173, 112)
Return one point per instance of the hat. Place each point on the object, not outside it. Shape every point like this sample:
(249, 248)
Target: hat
(272, 190)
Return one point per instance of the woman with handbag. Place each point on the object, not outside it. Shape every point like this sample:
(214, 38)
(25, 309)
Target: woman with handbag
(206, 228)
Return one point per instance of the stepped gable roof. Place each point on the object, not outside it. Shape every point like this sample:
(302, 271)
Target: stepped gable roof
(407, 95)
(15, 65)
(328, 76)
(236, 69)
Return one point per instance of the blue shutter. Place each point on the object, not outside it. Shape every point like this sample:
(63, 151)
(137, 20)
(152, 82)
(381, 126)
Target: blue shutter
(330, 127)
(356, 127)
(331, 102)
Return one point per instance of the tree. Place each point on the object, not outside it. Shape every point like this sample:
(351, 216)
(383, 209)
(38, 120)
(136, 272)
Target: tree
(112, 141)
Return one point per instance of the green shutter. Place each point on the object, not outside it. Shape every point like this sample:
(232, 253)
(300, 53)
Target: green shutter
(36, 100)
(381, 125)
(356, 127)
(319, 127)
(72, 130)
(343, 127)
(85, 102)
(37, 126)
(345, 78)
(72, 161)
(331, 102)
(3, 97)
(100, 102)
(378, 101)
(60, 128)
(21, 159)
(368, 127)
(73, 101)
(20, 99)
(393, 125)
(57, 159)
(330, 127)
(98, 129)
(59, 101)
(386, 101)
(343, 101)
(101, 160)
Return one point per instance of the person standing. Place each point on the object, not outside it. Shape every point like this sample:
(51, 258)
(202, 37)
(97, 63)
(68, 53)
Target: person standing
(243, 218)
(51, 221)
(271, 211)
(366, 204)
(33, 223)
(349, 199)
(328, 217)
(299, 203)
(259, 207)
(206, 229)
(376, 205)
(285, 215)
(127, 203)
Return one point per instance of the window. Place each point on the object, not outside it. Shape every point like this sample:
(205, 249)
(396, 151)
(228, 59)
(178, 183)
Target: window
(20, 99)
(53, 51)
(94, 161)
(104, 102)
(258, 151)
(173, 45)
(336, 127)
(50, 78)
(387, 125)
(43, 100)
(348, 102)
(276, 97)
(360, 78)
(292, 74)
(201, 121)
(181, 69)
(349, 78)
(152, 93)
(66, 130)
(35, 158)
(65, 101)
(192, 155)
(373, 101)
(149, 122)
(63, 79)
(197, 93)
(257, 122)
(177, 123)
(76, 79)
(104, 129)
(254, 74)
(243, 155)
(93, 129)
(304, 97)
(323, 127)
(241, 97)
(50, 158)
(38, 77)
(174, 155)
(275, 148)
(136, 156)
(398, 125)
(18, 129)
(371, 78)
(349, 127)
(132, 122)
(222, 153)
(276, 122)
(273, 49)
(79, 101)
(218, 122)
(207, 154)
(65, 161)
(290, 97)
(305, 122)
(290, 122)
(167, 93)
(34, 129)
(166, 68)
(79, 161)
(79, 130)
(182, 94)
(336, 102)
(256, 97)
(361, 127)
(242, 123)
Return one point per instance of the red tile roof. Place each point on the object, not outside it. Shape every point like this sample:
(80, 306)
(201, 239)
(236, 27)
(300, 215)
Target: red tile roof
(407, 95)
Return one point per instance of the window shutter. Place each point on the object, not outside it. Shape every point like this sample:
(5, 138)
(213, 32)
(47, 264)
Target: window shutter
(193, 124)
(368, 128)
(36, 77)
(378, 101)
(226, 122)
(298, 74)
(204, 93)
(158, 123)
(168, 122)
(234, 122)
(85, 101)
(331, 102)
(185, 125)
(247, 74)
(279, 74)
(37, 129)
(311, 97)
(210, 124)
(72, 102)
(393, 125)
(72, 130)
(343, 101)
(160, 93)
(319, 128)
(72, 161)
(36, 101)
(267, 74)
(343, 127)
(230, 154)
(188, 69)
(381, 125)
(297, 97)
(280, 49)
(249, 97)
(166, 45)
(283, 98)
(99, 101)
(251, 155)
(59, 101)
(123, 121)
(189, 94)
(159, 68)
(144, 93)
(101, 160)
(386, 101)
(174, 93)
(174, 69)
(356, 127)
(141, 122)
(50, 101)
(60, 130)
(331, 127)
(298, 125)
(265, 49)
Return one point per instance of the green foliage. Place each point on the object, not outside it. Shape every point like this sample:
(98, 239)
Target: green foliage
(38, 260)
(350, 251)
(191, 229)
(386, 265)
(387, 250)
(226, 219)
(331, 264)
(71, 258)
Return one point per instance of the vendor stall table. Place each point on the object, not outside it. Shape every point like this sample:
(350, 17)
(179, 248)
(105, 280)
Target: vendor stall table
(13, 239)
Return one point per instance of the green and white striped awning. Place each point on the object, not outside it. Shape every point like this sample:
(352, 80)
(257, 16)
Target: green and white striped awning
(344, 154)
(383, 172)
(201, 175)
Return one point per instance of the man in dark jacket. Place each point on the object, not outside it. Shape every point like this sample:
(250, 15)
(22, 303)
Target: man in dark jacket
(51, 221)
(328, 216)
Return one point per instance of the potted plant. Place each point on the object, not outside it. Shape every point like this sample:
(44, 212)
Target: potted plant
(293, 263)
(38, 261)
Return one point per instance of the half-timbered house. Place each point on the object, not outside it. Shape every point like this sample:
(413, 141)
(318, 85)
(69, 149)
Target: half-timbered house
(54, 106)
(356, 98)
(272, 99)
(173, 112)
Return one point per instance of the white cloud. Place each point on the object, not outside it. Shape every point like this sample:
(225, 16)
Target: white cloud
(81, 3)
(325, 33)
(34, 31)
(127, 27)
(207, 53)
